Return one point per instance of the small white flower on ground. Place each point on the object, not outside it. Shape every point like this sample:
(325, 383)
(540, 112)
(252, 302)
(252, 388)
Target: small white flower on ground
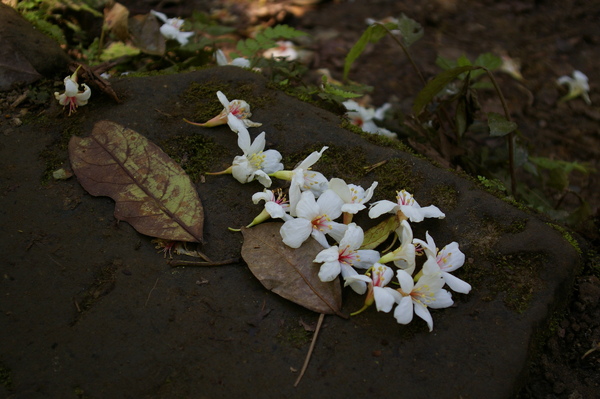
(416, 298)
(171, 28)
(445, 261)
(344, 257)
(316, 218)
(354, 197)
(255, 163)
(276, 203)
(406, 204)
(364, 117)
(578, 86)
(285, 49)
(376, 279)
(302, 178)
(72, 96)
(238, 62)
(236, 114)
(276, 206)
(403, 256)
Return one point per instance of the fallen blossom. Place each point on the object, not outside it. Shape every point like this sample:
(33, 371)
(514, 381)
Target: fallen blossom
(72, 96)
(171, 28)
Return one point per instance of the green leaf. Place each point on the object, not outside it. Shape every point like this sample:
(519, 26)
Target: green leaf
(488, 61)
(378, 234)
(337, 91)
(373, 34)
(436, 85)
(549, 164)
(410, 30)
(499, 125)
(445, 63)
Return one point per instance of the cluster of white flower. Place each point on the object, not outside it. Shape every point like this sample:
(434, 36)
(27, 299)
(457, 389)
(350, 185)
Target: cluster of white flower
(315, 204)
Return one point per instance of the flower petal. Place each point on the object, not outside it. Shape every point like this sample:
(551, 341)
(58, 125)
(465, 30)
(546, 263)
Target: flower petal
(307, 207)
(404, 311)
(384, 300)
(295, 231)
(422, 312)
(330, 204)
(329, 271)
(353, 237)
(380, 207)
(223, 99)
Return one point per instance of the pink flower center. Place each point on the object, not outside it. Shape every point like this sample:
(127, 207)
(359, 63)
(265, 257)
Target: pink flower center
(321, 222)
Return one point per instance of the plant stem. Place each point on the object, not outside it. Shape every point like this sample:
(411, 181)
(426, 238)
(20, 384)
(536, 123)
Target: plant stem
(511, 135)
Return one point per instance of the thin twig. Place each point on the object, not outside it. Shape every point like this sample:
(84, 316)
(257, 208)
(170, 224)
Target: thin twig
(310, 349)
(176, 263)
(150, 293)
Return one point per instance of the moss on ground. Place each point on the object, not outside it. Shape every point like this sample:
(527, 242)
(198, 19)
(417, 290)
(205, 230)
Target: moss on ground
(194, 153)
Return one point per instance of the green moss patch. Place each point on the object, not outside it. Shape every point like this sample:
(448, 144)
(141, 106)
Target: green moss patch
(194, 153)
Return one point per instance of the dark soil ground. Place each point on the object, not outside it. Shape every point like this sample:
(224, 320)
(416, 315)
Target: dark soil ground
(551, 38)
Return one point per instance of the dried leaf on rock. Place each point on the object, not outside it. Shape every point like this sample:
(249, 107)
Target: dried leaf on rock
(145, 33)
(151, 191)
(290, 272)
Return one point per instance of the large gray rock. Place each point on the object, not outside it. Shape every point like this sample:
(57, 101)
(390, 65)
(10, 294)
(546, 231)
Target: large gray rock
(26, 54)
(90, 307)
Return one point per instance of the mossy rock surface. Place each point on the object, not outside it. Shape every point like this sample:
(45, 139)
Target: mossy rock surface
(149, 330)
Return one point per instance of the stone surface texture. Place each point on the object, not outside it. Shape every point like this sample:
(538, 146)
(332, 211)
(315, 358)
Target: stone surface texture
(90, 308)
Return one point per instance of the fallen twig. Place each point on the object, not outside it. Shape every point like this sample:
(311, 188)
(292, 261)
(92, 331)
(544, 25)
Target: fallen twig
(310, 349)
(176, 263)
(150, 293)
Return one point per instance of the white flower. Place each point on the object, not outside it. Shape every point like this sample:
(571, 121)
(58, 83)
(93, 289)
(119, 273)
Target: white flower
(445, 261)
(403, 256)
(417, 298)
(238, 62)
(276, 204)
(171, 28)
(343, 257)
(235, 114)
(285, 49)
(512, 67)
(354, 197)
(376, 279)
(364, 117)
(72, 96)
(303, 179)
(578, 86)
(408, 206)
(316, 218)
(255, 163)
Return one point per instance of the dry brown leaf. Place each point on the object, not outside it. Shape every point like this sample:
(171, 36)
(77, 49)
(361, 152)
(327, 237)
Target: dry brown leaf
(151, 191)
(290, 272)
